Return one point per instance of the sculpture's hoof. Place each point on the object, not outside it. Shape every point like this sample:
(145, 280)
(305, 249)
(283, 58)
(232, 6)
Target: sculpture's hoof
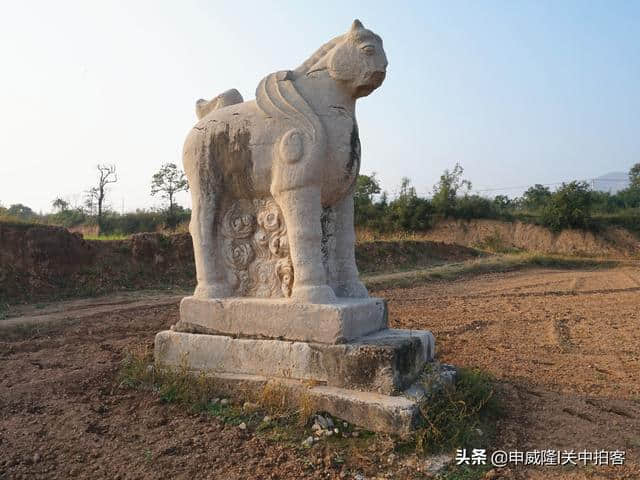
(355, 289)
(211, 291)
(313, 294)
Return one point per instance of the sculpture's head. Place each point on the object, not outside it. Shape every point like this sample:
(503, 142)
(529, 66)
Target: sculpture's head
(356, 60)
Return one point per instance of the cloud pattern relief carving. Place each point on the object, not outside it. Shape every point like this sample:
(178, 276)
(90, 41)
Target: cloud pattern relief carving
(256, 249)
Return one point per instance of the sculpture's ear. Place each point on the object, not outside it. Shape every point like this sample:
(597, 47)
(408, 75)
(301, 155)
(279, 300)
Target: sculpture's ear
(356, 25)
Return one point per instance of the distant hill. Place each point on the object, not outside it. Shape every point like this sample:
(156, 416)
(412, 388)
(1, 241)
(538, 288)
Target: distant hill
(611, 182)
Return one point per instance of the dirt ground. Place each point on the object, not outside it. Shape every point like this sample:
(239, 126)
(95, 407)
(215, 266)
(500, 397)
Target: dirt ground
(563, 345)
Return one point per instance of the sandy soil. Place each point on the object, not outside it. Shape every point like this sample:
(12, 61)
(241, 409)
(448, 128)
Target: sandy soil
(612, 242)
(563, 344)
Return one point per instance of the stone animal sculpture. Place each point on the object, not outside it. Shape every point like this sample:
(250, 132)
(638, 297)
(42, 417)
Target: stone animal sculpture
(272, 179)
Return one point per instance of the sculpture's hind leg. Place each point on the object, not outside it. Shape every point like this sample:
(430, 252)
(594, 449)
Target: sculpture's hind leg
(210, 273)
(301, 209)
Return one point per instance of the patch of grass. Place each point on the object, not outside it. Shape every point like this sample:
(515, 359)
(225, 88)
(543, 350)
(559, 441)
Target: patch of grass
(232, 414)
(12, 221)
(306, 408)
(171, 385)
(496, 264)
(109, 237)
(464, 472)
(364, 235)
(459, 415)
(289, 409)
(4, 310)
(452, 415)
(628, 218)
(280, 401)
(197, 393)
(273, 398)
(148, 456)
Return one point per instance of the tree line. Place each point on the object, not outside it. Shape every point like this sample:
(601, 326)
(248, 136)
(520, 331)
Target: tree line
(572, 205)
(166, 183)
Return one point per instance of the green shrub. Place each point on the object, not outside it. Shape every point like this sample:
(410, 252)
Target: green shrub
(628, 218)
(445, 192)
(410, 213)
(459, 415)
(142, 221)
(474, 206)
(536, 197)
(569, 207)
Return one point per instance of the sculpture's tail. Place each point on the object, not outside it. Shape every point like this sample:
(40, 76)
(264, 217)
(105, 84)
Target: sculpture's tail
(230, 97)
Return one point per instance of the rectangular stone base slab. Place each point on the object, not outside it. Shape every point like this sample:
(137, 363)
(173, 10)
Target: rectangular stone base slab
(335, 323)
(372, 411)
(385, 362)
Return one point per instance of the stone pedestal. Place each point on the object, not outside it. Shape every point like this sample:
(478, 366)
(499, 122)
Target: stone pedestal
(340, 356)
(283, 319)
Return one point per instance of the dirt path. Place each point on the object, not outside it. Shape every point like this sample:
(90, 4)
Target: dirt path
(44, 313)
(34, 315)
(563, 345)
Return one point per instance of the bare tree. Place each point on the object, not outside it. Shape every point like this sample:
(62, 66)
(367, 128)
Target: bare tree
(96, 195)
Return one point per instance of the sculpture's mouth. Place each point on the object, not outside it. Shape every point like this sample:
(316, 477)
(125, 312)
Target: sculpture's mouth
(377, 78)
(373, 82)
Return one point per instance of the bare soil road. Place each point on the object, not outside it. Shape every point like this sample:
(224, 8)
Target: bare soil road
(564, 346)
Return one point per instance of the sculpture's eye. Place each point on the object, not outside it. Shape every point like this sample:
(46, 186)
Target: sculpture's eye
(369, 49)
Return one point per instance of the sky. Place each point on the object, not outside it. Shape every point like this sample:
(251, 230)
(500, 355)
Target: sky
(518, 92)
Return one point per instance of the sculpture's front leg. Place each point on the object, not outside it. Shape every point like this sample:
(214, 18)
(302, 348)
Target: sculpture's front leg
(346, 280)
(301, 209)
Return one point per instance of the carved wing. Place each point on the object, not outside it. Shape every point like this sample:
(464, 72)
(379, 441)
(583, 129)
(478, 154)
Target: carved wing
(303, 145)
(278, 97)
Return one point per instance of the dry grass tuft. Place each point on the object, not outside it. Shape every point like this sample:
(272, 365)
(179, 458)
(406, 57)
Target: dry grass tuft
(306, 407)
(364, 235)
(280, 399)
(274, 398)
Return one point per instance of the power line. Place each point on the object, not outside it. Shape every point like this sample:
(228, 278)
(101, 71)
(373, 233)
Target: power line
(495, 189)
(591, 181)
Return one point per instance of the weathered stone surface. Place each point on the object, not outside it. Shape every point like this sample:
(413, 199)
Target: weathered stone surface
(432, 381)
(386, 362)
(373, 411)
(272, 179)
(280, 318)
(218, 353)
